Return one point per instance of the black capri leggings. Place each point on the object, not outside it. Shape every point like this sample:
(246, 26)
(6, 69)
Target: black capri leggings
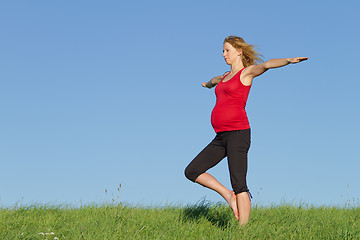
(233, 144)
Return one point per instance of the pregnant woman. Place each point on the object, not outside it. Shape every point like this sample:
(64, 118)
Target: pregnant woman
(231, 124)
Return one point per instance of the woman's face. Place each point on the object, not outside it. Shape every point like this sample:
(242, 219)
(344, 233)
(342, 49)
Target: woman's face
(230, 53)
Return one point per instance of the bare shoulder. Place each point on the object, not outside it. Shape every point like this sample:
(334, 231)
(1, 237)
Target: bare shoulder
(248, 70)
(246, 76)
(255, 70)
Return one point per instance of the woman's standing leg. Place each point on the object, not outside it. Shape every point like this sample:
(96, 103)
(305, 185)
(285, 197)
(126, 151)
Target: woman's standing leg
(244, 207)
(238, 144)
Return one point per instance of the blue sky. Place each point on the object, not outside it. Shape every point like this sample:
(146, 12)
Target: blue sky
(94, 94)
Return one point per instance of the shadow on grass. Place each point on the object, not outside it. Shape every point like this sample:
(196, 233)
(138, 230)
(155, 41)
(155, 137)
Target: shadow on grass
(217, 214)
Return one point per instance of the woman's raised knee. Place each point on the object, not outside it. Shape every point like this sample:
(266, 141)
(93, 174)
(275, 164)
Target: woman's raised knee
(190, 173)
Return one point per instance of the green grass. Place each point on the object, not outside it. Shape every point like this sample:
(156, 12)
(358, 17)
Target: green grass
(200, 221)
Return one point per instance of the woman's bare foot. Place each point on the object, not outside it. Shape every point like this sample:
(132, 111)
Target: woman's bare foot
(209, 181)
(231, 199)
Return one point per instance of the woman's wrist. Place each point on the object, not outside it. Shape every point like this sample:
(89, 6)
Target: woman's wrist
(209, 84)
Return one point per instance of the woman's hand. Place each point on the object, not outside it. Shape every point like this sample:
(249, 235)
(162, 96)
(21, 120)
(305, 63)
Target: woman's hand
(204, 84)
(298, 59)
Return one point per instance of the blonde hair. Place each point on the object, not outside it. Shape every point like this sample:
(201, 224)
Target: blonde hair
(249, 55)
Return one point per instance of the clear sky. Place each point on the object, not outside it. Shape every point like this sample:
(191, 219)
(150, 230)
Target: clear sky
(94, 94)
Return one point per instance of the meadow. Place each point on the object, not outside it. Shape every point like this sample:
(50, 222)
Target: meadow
(203, 220)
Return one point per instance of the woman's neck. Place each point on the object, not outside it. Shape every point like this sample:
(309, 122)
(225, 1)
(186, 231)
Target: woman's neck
(236, 67)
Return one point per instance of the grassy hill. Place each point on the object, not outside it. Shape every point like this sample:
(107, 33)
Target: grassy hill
(203, 220)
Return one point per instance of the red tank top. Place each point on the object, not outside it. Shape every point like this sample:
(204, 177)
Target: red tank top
(229, 112)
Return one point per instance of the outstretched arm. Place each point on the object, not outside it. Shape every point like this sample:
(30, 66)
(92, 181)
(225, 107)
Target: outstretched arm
(213, 81)
(256, 70)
